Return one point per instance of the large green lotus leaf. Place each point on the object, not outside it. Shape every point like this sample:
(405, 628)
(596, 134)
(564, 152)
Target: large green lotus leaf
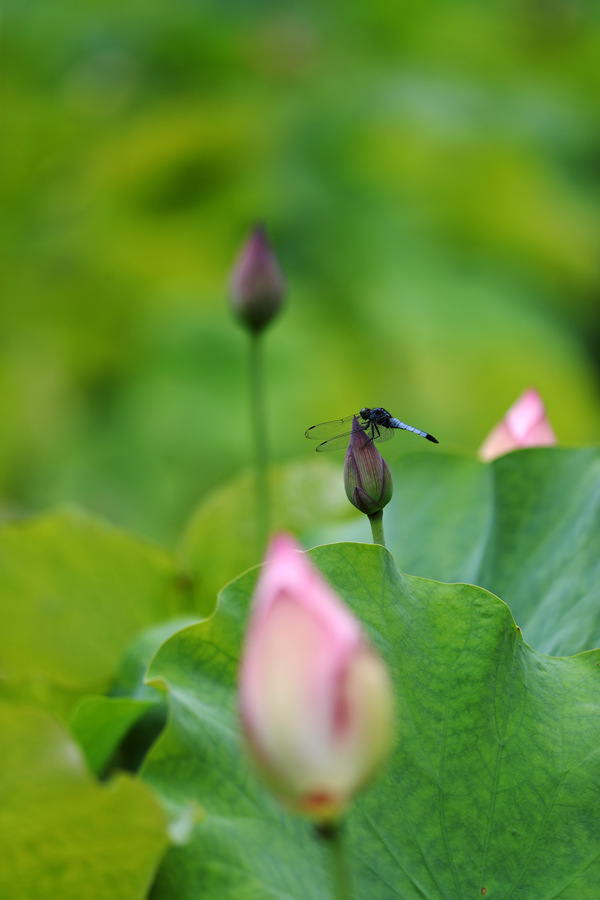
(526, 526)
(62, 834)
(73, 593)
(493, 787)
(220, 540)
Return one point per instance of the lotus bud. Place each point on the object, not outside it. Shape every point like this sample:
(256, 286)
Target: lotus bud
(257, 284)
(524, 425)
(316, 700)
(367, 477)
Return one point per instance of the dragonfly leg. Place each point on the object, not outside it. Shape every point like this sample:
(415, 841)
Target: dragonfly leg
(374, 429)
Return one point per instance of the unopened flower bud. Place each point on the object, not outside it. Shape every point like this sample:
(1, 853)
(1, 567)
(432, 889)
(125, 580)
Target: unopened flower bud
(316, 700)
(257, 283)
(524, 425)
(367, 477)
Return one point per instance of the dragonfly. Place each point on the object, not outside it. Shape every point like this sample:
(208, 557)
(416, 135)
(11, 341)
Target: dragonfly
(378, 423)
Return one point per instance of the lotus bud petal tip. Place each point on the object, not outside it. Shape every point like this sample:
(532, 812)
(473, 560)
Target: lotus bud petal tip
(257, 283)
(525, 424)
(316, 701)
(367, 477)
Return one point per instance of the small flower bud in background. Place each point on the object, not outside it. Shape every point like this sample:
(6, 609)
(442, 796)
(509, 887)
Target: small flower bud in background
(257, 284)
(316, 700)
(367, 477)
(524, 425)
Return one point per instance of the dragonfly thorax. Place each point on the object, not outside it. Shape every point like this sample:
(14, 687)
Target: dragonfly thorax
(378, 415)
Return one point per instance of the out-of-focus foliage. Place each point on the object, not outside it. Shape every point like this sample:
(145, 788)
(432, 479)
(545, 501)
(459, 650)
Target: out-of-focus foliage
(220, 539)
(74, 593)
(63, 834)
(100, 723)
(429, 175)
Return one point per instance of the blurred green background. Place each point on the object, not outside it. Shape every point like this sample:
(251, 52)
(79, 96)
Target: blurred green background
(429, 173)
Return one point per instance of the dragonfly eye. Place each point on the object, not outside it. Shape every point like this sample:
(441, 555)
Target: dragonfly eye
(365, 413)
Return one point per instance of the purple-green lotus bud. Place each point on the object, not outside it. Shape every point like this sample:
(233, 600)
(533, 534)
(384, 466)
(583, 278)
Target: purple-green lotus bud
(367, 477)
(257, 283)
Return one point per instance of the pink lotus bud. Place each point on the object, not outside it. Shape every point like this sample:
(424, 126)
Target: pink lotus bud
(524, 425)
(316, 700)
(257, 285)
(367, 477)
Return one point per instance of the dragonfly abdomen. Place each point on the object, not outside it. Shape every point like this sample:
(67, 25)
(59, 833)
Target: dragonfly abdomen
(396, 423)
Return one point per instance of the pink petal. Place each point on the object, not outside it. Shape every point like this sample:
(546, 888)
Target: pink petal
(524, 425)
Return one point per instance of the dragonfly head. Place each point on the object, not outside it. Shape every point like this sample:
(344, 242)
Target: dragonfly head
(365, 413)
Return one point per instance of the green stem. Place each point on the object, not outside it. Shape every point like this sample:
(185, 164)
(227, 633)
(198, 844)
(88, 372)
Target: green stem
(376, 521)
(257, 414)
(331, 834)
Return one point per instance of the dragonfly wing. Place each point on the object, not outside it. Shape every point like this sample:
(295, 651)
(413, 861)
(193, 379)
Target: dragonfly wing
(384, 434)
(327, 430)
(335, 443)
(342, 440)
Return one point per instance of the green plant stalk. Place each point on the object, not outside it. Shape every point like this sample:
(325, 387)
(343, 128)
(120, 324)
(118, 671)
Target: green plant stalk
(331, 834)
(257, 415)
(376, 521)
